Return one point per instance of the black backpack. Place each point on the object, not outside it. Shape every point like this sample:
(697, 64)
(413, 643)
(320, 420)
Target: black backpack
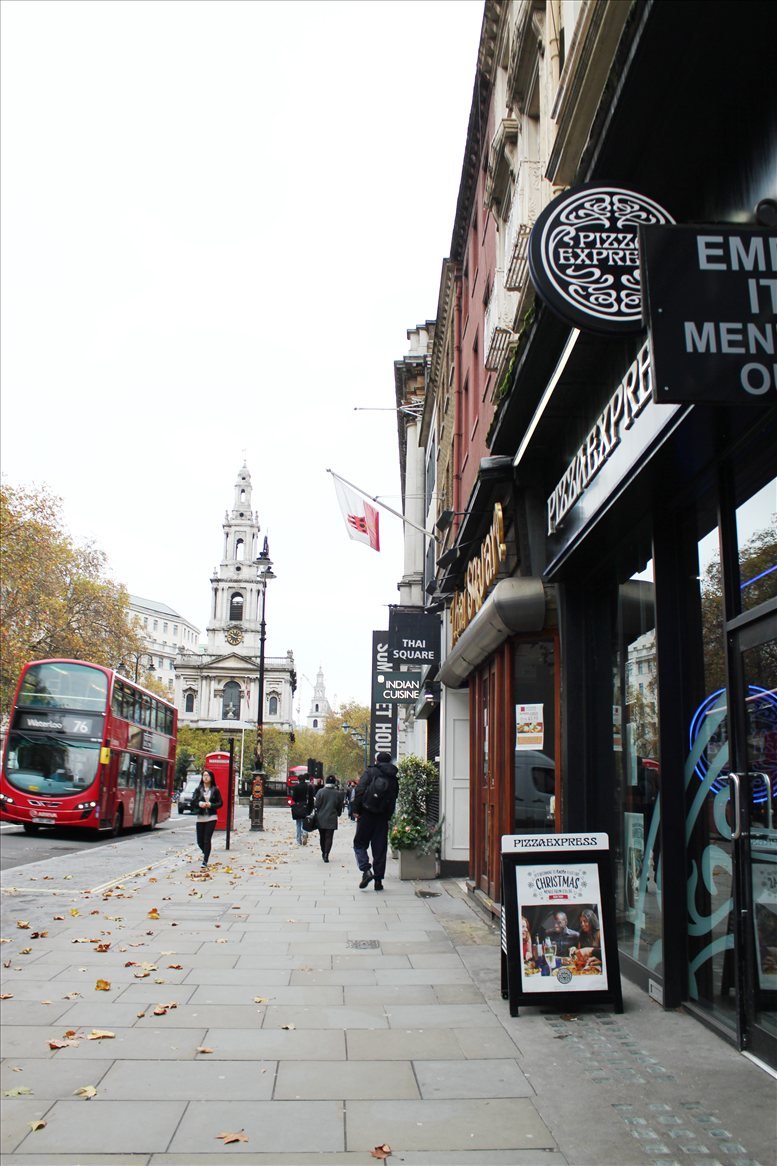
(378, 796)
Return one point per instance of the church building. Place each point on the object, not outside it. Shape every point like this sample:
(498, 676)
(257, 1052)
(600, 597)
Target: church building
(219, 688)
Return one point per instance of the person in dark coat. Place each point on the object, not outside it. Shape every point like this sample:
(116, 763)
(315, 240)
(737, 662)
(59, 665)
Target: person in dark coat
(372, 823)
(329, 806)
(207, 798)
(301, 794)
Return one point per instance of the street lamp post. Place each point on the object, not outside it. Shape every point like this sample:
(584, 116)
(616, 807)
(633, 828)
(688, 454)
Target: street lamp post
(264, 575)
(361, 735)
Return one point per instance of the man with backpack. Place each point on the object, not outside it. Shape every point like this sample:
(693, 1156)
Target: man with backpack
(373, 804)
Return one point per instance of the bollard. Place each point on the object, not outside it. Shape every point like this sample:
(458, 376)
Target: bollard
(256, 807)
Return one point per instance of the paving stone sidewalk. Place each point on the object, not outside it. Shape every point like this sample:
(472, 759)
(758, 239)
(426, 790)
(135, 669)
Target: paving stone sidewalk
(272, 1011)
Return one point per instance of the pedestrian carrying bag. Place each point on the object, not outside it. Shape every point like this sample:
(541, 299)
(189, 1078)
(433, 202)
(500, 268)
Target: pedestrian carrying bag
(310, 823)
(377, 794)
(299, 810)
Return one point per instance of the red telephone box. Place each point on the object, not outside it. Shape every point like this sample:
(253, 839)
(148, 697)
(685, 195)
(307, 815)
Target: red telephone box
(218, 764)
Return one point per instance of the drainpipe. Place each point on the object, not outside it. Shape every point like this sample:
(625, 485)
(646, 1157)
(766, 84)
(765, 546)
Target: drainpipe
(458, 422)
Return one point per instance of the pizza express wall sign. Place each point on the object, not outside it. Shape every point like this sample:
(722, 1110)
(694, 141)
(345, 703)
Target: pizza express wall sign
(584, 256)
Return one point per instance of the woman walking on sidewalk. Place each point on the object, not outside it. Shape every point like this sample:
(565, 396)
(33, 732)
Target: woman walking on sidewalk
(207, 799)
(301, 799)
(329, 807)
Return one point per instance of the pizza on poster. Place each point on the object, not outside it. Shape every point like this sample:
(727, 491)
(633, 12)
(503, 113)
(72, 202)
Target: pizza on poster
(559, 905)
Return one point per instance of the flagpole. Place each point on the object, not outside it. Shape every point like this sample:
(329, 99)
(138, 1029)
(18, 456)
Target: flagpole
(396, 513)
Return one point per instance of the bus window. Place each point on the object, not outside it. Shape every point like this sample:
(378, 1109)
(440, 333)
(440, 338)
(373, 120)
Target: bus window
(67, 686)
(48, 764)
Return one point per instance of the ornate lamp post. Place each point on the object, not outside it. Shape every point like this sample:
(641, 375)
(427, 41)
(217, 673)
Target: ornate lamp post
(362, 736)
(264, 575)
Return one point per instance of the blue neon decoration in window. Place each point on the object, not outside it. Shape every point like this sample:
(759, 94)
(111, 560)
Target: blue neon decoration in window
(762, 703)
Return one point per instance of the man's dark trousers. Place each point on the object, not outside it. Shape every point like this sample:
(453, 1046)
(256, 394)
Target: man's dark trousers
(371, 831)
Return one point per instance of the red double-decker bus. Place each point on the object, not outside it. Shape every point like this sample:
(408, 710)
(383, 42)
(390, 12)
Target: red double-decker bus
(87, 748)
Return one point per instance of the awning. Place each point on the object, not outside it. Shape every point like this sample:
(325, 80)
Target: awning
(515, 605)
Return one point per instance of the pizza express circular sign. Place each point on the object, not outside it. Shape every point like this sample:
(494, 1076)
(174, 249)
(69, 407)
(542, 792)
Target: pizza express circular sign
(584, 256)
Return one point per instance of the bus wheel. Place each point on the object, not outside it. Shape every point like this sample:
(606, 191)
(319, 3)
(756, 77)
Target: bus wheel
(31, 828)
(154, 818)
(118, 822)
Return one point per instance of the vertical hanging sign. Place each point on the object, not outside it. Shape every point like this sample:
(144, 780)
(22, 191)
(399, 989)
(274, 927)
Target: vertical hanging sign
(383, 721)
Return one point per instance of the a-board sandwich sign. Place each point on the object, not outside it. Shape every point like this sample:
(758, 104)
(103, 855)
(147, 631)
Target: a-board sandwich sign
(558, 921)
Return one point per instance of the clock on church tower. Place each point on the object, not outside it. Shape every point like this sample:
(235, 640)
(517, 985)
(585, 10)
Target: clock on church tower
(234, 636)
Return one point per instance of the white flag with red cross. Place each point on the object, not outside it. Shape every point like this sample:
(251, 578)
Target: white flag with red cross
(361, 519)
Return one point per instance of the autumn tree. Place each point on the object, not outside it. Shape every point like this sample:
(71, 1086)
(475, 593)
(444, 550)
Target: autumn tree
(56, 598)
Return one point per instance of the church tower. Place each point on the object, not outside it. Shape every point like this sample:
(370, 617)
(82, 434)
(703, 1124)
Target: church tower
(319, 705)
(235, 589)
(218, 688)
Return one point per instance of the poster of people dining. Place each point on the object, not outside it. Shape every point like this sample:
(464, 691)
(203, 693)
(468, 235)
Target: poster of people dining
(561, 928)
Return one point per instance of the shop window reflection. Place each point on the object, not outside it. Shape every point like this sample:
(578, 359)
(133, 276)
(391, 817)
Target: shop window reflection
(535, 779)
(635, 742)
(757, 544)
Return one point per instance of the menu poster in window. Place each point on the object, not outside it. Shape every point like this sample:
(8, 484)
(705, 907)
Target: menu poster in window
(765, 922)
(529, 726)
(558, 911)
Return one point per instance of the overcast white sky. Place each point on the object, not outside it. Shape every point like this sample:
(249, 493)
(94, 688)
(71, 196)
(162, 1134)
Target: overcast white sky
(219, 220)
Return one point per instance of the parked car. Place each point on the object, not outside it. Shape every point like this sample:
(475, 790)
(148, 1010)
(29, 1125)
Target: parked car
(185, 804)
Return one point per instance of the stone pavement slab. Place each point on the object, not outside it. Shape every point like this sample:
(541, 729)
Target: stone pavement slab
(382, 1021)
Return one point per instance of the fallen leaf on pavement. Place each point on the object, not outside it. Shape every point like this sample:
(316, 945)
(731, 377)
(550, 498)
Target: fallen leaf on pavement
(20, 1091)
(380, 1151)
(102, 986)
(204, 1049)
(103, 947)
(72, 996)
(260, 999)
(176, 967)
(63, 1044)
(57, 917)
(26, 951)
(238, 1136)
(38, 1125)
(288, 1026)
(39, 935)
(22, 924)
(6, 995)
(100, 1034)
(85, 1091)
(74, 911)
(153, 913)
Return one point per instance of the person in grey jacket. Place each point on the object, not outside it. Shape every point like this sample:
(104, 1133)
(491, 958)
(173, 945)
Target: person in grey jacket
(329, 806)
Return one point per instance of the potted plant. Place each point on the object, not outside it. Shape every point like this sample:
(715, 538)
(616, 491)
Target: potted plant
(414, 835)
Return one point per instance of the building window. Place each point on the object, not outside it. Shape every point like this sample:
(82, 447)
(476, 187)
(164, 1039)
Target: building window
(236, 607)
(189, 702)
(273, 706)
(156, 624)
(240, 548)
(175, 630)
(231, 701)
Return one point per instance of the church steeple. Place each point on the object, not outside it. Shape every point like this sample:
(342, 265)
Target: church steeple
(234, 622)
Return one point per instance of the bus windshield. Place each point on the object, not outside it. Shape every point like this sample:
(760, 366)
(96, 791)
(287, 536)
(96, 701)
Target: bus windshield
(64, 686)
(48, 764)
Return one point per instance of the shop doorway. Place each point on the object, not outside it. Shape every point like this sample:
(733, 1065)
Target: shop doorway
(754, 837)
(732, 893)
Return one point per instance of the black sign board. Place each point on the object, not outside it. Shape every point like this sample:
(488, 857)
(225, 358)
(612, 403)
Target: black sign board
(711, 309)
(584, 256)
(414, 638)
(404, 687)
(84, 725)
(559, 941)
(383, 722)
